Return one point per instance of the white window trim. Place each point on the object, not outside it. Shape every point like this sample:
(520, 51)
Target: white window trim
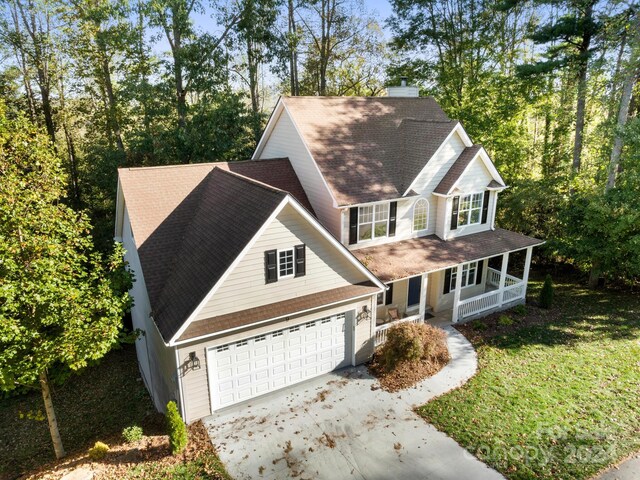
(373, 221)
(454, 273)
(469, 224)
(293, 256)
(413, 216)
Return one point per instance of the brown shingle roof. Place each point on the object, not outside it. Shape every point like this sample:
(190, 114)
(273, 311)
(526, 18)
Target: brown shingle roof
(189, 224)
(406, 258)
(369, 148)
(276, 310)
(457, 169)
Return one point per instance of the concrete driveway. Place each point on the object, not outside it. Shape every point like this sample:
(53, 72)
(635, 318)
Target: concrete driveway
(341, 426)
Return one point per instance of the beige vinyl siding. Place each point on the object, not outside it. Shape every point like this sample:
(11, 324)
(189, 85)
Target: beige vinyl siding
(439, 165)
(245, 286)
(157, 361)
(285, 141)
(195, 383)
(443, 216)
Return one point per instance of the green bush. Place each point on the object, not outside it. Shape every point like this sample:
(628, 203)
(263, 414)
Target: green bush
(546, 294)
(98, 451)
(520, 309)
(177, 430)
(505, 320)
(408, 342)
(132, 434)
(478, 325)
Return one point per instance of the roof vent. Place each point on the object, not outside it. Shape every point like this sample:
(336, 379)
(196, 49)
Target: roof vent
(403, 90)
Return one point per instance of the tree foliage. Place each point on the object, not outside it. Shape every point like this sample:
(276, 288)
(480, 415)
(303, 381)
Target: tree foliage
(61, 303)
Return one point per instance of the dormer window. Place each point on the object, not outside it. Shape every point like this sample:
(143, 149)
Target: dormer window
(470, 209)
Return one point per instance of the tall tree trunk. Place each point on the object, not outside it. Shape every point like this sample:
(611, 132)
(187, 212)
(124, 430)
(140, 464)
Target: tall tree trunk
(293, 55)
(582, 90)
(112, 106)
(51, 416)
(181, 94)
(631, 77)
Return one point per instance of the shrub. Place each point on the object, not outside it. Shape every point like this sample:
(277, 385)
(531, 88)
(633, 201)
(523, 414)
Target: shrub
(478, 325)
(520, 309)
(505, 320)
(408, 342)
(98, 451)
(546, 294)
(132, 434)
(177, 430)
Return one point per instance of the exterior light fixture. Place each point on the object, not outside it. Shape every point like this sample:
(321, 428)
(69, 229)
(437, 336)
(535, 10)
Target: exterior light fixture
(194, 361)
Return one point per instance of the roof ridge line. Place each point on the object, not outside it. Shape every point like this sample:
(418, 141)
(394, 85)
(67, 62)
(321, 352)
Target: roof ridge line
(258, 183)
(201, 164)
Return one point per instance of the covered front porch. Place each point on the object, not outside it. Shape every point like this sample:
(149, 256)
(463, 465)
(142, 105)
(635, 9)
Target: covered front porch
(449, 281)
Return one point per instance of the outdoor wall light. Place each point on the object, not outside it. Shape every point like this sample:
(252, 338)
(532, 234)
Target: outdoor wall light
(363, 315)
(194, 361)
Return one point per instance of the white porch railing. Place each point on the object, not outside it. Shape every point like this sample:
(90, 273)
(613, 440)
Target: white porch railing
(493, 278)
(381, 331)
(489, 300)
(478, 304)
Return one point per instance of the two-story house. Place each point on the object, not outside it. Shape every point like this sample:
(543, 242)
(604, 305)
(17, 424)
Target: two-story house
(354, 214)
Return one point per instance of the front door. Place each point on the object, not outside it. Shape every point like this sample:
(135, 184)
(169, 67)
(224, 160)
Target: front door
(415, 286)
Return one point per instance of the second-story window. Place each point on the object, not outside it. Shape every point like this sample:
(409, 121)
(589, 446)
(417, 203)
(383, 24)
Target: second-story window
(373, 221)
(285, 263)
(420, 215)
(470, 209)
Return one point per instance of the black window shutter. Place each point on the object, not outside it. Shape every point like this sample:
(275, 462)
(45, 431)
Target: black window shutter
(301, 260)
(388, 299)
(271, 266)
(479, 272)
(454, 213)
(485, 206)
(393, 209)
(447, 281)
(353, 225)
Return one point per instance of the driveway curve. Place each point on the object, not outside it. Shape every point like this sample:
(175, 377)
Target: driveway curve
(341, 426)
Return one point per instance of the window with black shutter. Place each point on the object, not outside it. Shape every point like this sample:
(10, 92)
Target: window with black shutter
(271, 266)
(454, 212)
(485, 206)
(301, 261)
(393, 209)
(353, 225)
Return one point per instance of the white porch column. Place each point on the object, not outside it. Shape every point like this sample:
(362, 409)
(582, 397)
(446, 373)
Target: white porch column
(525, 276)
(456, 294)
(503, 275)
(423, 295)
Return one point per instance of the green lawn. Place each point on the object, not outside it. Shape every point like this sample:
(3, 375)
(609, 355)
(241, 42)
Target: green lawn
(557, 394)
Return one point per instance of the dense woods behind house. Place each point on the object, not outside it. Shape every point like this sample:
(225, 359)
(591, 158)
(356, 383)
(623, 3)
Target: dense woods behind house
(550, 87)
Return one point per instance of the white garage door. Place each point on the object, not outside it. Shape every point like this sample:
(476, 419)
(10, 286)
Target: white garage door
(258, 365)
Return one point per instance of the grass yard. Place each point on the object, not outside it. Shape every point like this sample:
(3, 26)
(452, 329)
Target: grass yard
(557, 395)
(97, 405)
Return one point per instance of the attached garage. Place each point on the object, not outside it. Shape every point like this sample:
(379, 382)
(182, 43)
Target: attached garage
(257, 365)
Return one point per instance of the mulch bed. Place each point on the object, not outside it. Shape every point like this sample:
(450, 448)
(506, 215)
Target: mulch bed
(152, 450)
(407, 373)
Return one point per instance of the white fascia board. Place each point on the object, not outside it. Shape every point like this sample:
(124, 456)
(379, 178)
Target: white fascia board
(339, 246)
(271, 123)
(118, 234)
(484, 156)
(226, 274)
(315, 164)
(465, 139)
(223, 333)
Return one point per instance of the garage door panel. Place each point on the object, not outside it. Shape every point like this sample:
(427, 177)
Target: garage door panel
(258, 365)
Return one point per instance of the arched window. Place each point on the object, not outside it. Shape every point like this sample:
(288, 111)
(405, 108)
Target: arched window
(420, 215)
